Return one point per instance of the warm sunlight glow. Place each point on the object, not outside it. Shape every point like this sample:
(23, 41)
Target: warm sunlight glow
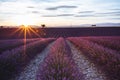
(26, 30)
(24, 20)
(26, 26)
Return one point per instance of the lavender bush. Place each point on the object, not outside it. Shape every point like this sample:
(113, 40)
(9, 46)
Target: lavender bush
(13, 62)
(110, 42)
(106, 59)
(58, 65)
(13, 43)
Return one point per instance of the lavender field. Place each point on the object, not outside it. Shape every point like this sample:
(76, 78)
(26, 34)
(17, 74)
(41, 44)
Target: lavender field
(59, 39)
(71, 58)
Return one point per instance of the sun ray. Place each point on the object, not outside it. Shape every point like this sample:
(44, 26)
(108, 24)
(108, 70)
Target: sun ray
(34, 32)
(27, 31)
(21, 31)
(16, 31)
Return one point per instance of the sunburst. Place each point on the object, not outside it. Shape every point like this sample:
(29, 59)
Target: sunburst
(25, 29)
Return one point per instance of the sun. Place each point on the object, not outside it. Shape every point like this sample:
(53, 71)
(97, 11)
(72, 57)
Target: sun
(24, 20)
(26, 26)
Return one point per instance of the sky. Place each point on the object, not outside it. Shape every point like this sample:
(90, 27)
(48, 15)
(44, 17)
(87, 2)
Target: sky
(58, 12)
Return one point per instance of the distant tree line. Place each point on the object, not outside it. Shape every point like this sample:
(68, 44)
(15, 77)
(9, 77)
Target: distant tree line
(93, 25)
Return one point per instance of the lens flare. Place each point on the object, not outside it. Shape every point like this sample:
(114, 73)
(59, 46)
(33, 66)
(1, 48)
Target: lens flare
(26, 30)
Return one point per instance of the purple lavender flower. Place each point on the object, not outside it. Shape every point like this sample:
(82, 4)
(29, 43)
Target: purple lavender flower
(60, 65)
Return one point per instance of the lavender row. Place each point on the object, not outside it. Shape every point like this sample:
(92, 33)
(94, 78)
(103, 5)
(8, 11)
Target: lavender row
(110, 42)
(13, 62)
(10, 44)
(106, 59)
(58, 65)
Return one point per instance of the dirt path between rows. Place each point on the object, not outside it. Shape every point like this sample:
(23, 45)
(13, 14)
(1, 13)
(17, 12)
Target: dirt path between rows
(88, 69)
(84, 65)
(30, 71)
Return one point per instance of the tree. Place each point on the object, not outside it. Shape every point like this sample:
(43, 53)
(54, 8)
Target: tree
(43, 25)
(1, 27)
(93, 25)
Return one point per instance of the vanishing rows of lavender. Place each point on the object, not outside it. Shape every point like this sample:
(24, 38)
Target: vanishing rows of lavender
(13, 61)
(102, 51)
(10, 44)
(59, 64)
(110, 42)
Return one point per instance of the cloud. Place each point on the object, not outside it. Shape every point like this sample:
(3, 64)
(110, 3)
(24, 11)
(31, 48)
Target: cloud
(59, 7)
(65, 15)
(59, 15)
(49, 15)
(89, 15)
(30, 7)
(108, 14)
(113, 12)
(115, 9)
(86, 12)
(35, 12)
(105, 14)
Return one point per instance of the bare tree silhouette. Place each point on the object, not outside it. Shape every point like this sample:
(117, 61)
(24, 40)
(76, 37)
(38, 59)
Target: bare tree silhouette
(43, 25)
(1, 27)
(43, 32)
